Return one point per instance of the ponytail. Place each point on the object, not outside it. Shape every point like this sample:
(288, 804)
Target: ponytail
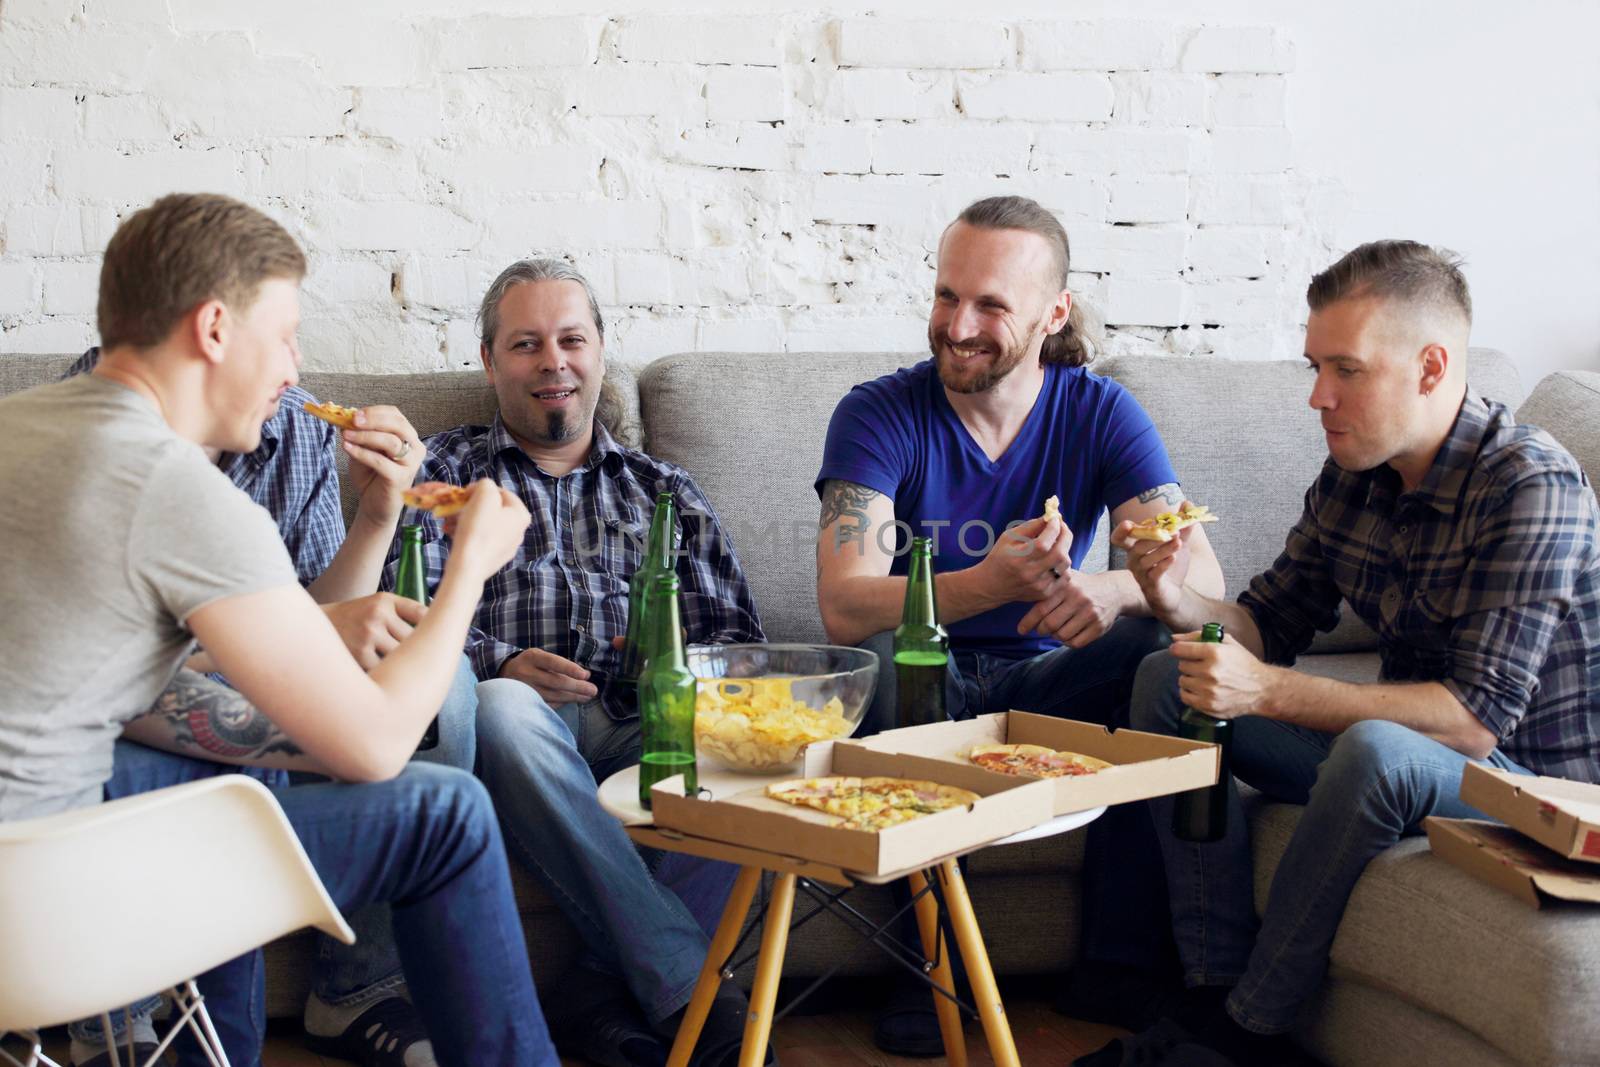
(1076, 343)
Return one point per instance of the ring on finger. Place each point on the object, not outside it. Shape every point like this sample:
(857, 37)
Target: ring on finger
(403, 451)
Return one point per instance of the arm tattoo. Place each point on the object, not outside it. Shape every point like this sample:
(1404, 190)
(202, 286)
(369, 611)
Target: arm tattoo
(205, 718)
(1171, 493)
(846, 503)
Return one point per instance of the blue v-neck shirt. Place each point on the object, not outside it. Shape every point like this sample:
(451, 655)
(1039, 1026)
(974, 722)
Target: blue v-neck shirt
(1086, 440)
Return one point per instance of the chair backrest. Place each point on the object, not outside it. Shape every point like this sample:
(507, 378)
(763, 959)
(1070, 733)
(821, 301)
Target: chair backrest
(104, 905)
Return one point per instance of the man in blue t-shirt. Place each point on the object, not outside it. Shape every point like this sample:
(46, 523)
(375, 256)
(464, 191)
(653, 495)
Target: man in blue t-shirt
(964, 449)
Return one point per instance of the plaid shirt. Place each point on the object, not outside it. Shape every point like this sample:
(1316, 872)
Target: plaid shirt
(291, 474)
(1485, 578)
(566, 590)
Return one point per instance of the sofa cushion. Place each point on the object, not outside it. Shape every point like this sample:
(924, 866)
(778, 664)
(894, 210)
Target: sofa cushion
(1567, 406)
(750, 428)
(24, 370)
(1256, 449)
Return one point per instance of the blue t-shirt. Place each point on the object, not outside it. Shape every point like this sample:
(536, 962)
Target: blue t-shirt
(1086, 440)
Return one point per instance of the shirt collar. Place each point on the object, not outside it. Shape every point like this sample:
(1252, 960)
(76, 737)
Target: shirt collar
(603, 450)
(238, 465)
(1441, 487)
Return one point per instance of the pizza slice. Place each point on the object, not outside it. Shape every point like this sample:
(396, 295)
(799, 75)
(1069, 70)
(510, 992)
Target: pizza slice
(441, 498)
(1034, 760)
(871, 803)
(1052, 507)
(1165, 526)
(338, 414)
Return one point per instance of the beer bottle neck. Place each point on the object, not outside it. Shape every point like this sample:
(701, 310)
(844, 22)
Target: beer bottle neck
(664, 643)
(920, 606)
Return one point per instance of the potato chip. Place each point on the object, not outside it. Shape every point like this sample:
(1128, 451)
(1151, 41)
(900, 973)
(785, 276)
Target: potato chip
(756, 724)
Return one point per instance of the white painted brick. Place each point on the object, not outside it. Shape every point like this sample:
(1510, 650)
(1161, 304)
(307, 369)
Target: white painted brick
(1237, 201)
(356, 226)
(1156, 199)
(878, 42)
(1246, 49)
(102, 57)
(449, 282)
(25, 171)
(104, 174)
(1247, 150)
(558, 227)
(19, 290)
(645, 278)
(1076, 201)
(114, 11)
(1036, 97)
(926, 148)
(1160, 99)
(1232, 302)
(489, 41)
(1140, 251)
(678, 39)
(717, 278)
(1145, 302)
(1248, 100)
(836, 149)
(346, 280)
(462, 349)
(892, 94)
(823, 330)
(31, 13)
(872, 202)
(123, 118)
(48, 335)
(642, 89)
(745, 94)
(58, 229)
(739, 335)
(641, 336)
(356, 170)
(245, 94)
(744, 146)
(1111, 44)
(71, 288)
(1114, 150)
(596, 266)
(41, 114)
(1226, 251)
(517, 172)
(367, 343)
(403, 114)
(348, 51)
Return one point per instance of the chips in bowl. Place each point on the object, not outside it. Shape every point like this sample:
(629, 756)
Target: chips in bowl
(756, 724)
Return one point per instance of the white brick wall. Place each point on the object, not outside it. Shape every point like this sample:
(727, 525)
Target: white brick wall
(772, 182)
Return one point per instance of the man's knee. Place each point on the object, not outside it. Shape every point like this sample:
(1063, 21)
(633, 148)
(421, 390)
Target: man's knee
(1155, 707)
(512, 713)
(1367, 750)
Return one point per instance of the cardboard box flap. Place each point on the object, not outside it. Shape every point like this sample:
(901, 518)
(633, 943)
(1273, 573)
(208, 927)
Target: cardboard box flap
(1560, 814)
(1505, 859)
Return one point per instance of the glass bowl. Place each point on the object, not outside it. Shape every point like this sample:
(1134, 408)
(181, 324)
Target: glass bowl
(758, 706)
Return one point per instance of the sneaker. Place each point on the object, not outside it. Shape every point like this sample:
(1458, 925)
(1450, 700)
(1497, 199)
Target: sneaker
(612, 1033)
(379, 1037)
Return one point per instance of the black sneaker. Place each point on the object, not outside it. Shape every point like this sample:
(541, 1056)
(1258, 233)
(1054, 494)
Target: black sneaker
(379, 1037)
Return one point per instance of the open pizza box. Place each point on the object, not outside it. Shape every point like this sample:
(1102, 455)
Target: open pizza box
(1146, 765)
(1560, 814)
(1506, 860)
(753, 819)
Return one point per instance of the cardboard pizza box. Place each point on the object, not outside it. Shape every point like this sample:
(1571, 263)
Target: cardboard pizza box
(1560, 814)
(753, 819)
(1508, 861)
(1147, 765)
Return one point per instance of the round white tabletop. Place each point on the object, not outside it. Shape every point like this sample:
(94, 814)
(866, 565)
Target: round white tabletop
(619, 795)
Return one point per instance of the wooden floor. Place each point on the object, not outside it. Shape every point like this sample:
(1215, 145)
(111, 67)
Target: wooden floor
(835, 1039)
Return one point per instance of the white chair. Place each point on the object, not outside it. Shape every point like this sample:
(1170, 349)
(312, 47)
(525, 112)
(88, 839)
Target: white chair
(102, 906)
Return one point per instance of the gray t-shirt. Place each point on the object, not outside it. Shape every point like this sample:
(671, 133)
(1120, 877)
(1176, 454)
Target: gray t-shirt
(112, 531)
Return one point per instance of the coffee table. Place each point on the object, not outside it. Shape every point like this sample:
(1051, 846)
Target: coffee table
(938, 895)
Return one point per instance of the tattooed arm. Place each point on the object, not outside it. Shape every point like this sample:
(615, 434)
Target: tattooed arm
(1205, 573)
(204, 719)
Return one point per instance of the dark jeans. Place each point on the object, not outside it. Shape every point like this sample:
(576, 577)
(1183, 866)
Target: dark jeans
(425, 842)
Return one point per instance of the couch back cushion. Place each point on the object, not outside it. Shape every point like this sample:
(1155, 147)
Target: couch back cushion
(1567, 406)
(1245, 442)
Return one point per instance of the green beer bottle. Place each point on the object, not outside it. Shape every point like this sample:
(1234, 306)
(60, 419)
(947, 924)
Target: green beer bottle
(666, 694)
(659, 548)
(1201, 815)
(411, 581)
(921, 646)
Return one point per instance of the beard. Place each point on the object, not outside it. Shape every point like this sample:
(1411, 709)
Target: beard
(978, 378)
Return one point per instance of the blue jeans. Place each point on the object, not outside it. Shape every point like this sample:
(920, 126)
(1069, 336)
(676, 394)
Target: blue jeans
(345, 975)
(541, 765)
(1363, 790)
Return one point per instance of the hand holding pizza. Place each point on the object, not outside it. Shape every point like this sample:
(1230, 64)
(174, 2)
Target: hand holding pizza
(1160, 567)
(486, 534)
(385, 454)
(1223, 680)
(1029, 560)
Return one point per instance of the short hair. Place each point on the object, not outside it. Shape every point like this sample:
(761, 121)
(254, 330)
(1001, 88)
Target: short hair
(184, 249)
(1072, 346)
(531, 270)
(1408, 271)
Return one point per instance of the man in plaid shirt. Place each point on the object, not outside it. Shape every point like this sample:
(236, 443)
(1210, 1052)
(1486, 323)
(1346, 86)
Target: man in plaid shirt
(552, 722)
(1469, 544)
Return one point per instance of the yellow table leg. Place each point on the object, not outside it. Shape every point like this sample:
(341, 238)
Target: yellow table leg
(955, 1043)
(764, 995)
(705, 990)
(995, 1027)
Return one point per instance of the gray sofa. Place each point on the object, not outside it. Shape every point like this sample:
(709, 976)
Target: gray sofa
(1429, 965)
